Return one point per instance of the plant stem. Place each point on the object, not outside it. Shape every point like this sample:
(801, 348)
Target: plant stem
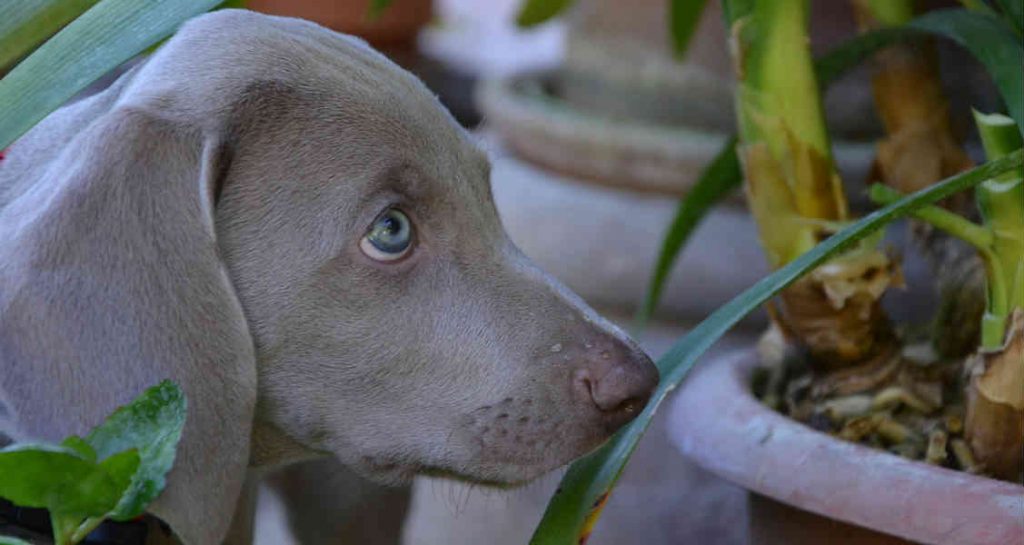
(962, 228)
(84, 529)
(785, 147)
(1001, 201)
(63, 527)
(982, 239)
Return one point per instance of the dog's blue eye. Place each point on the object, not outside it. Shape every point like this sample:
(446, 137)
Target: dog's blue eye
(389, 238)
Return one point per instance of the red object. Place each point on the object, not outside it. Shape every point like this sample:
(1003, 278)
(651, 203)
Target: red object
(397, 24)
(833, 490)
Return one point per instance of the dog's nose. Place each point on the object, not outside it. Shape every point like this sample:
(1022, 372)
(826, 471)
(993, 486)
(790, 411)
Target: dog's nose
(618, 381)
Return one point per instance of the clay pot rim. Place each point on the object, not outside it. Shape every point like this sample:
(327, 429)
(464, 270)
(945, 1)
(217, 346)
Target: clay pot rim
(550, 131)
(716, 422)
(624, 153)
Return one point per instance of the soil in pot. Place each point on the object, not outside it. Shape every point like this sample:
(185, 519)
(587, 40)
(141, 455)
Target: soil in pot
(912, 404)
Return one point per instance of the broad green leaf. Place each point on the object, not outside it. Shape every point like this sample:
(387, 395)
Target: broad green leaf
(535, 12)
(55, 478)
(24, 24)
(107, 35)
(121, 468)
(152, 424)
(992, 43)
(719, 179)
(683, 18)
(576, 505)
(7, 540)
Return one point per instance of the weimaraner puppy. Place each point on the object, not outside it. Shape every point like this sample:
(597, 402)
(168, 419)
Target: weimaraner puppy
(293, 229)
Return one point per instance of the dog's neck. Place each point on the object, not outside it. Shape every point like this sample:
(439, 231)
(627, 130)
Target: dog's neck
(272, 448)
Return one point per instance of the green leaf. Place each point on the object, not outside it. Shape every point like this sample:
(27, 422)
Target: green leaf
(535, 12)
(377, 7)
(110, 33)
(683, 18)
(1013, 11)
(122, 468)
(80, 446)
(24, 24)
(719, 179)
(840, 59)
(583, 490)
(152, 424)
(55, 478)
(992, 43)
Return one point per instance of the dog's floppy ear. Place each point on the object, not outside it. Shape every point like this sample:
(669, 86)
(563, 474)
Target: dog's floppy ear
(110, 281)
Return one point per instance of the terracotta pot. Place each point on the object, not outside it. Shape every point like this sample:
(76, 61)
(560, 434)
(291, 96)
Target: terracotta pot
(397, 25)
(808, 487)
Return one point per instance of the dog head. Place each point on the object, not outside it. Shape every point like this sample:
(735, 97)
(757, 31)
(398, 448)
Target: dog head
(396, 326)
(267, 198)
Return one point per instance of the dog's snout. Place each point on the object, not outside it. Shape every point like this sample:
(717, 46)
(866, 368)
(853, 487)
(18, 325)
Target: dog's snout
(618, 382)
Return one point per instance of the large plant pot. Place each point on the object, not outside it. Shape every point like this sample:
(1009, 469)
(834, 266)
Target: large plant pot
(807, 487)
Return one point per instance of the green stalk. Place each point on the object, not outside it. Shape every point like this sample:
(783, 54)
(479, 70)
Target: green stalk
(1001, 201)
(785, 146)
(984, 241)
(63, 526)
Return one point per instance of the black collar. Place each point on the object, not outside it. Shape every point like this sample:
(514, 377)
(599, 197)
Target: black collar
(33, 525)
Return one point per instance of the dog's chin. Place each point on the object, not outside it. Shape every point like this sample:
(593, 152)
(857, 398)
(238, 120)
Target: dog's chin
(502, 476)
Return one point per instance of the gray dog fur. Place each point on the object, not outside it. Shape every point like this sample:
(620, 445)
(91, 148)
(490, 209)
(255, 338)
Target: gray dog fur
(199, 220)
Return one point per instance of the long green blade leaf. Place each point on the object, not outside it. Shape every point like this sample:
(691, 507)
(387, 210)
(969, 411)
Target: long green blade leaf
(840, 59)
(683, 18)
(584, 489)
(535, 12)
(24, 24)
(992, 43)
(719, 178)
(107, 35)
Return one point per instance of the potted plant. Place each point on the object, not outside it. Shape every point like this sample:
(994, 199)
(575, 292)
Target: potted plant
(853, 373)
